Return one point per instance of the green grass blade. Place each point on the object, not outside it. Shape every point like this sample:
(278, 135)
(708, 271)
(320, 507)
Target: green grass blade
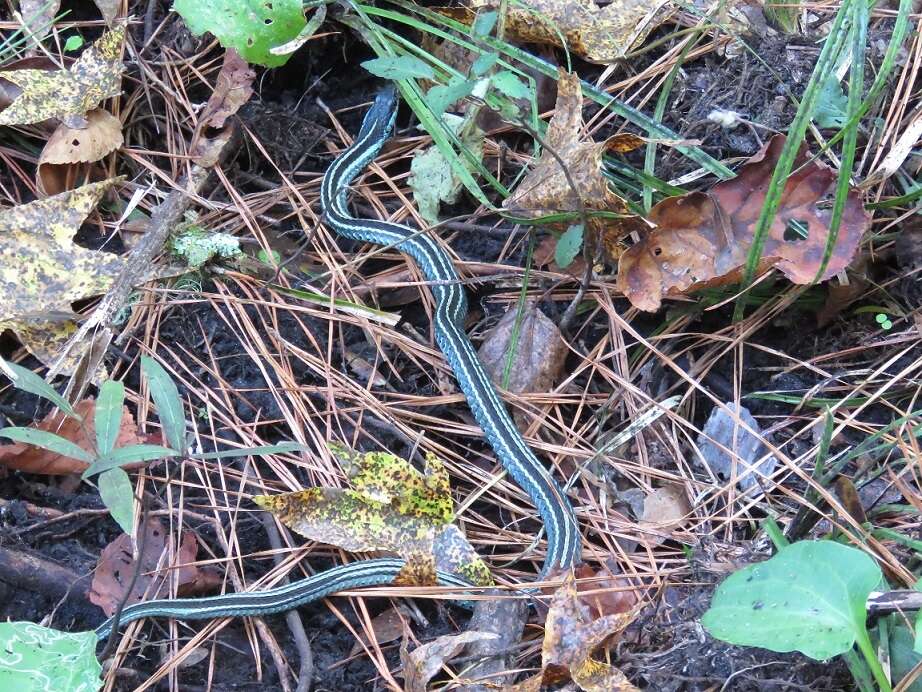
(795, 135)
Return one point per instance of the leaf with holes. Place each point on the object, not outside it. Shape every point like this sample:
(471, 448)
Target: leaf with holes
(251, 27)
(702, 238)
(35, 659)
(810, 597)
(391, 506)
(43, 271)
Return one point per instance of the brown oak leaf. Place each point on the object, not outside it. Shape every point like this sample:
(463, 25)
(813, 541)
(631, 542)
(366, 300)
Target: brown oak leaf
(702, 238)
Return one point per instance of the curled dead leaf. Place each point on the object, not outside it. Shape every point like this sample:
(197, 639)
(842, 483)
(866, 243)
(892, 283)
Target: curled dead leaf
(64, 161)
(233, 88)
(702, 239)
(571, 634)
(421, 665)
(117, 566)
(548, 188)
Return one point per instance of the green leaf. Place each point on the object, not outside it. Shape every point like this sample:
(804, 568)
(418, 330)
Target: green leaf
(251, 27)
(509, 84)
(483, 63)
(118, 495)
(810, 597)
(432, 178)
(903, 656)
(400, 67)
(568, 246)
(440, 97)
(109, 405)
(132, 454)
(47, 440)
(28, 381)
(169, 405)
(483, 24)
(73, 43)
(281, 448)
(38, 659)
(831, 105)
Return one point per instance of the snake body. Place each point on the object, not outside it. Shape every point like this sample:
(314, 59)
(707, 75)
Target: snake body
(489, 411)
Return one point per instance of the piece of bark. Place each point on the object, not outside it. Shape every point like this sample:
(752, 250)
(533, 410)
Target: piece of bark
(504, 617)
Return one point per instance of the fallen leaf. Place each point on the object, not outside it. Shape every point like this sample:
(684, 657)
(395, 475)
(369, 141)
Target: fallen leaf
(387, 627)
(597, 34)
(117, 566)
(571, 634)
(547, 188)
(42, 271)
(233, 88)
(544, 256)
(59, 165)
(68, 94)
(392, 507)
(539, 356)
(432, 178)
(38, 17)
(604, 592)
(31, 459)
(664, 509)
(702, 238)
(108, 9)
(851, 501)
(422, 664)
(723, 430)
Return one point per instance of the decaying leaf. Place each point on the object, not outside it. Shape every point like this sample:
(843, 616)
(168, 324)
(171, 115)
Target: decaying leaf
(61, 165)
(68, 94)
(547, 188)
(38, 17)
(117, 566)
(233, 88)
(539, 356)
(702, 238)
(392, 507)
(597, 34)
(571, 634)
(33, 459)
(42, 271)
(732, 451)
(421, 665)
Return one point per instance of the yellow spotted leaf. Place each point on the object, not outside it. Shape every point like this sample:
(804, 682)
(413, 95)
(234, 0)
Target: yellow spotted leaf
(68, 94)
(599, 34)
(391, 506)
(549, 189)
(42, 270)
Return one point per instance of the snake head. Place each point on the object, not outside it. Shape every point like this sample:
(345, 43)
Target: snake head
(380, 117)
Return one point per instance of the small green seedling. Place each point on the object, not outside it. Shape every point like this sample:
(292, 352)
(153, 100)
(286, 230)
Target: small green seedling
(884, 320)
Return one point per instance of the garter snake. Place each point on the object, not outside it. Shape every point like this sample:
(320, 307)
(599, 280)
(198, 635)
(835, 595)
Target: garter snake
(450, 309)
